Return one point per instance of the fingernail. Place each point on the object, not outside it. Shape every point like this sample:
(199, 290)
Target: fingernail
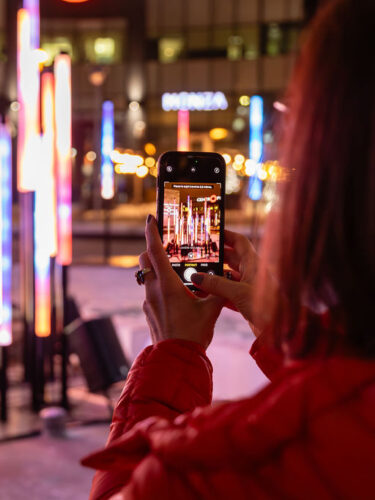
(197, 278)
(149, 218)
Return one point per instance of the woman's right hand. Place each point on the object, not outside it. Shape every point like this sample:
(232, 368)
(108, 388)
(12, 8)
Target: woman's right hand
(241, 257)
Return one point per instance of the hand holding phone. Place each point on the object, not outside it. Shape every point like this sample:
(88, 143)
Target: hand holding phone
(190, 208)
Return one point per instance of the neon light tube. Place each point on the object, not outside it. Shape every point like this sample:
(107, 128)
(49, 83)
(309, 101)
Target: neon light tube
(32, 7)
(45, 236)
(63, 111)
(107, 146)
(256, 119)
(48, 154)
(183, 130)
(6, 236)
(28, 88)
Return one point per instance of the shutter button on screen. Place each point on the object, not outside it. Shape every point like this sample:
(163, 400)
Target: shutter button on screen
(188, 273)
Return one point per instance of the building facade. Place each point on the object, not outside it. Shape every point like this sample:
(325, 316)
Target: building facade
(134, 52)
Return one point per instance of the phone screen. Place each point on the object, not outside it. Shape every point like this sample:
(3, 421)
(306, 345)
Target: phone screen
(191, 212)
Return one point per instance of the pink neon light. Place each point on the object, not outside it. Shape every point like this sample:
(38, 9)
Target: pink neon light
(28, 87)
(48, 147)
(183, 130)
(63, 102)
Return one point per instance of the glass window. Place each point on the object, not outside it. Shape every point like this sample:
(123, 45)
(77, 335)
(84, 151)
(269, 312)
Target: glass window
(170, 49)
(292, 39)
(102, 49)
(54, 46)
(197, 40)
(274, 43)
(235, 47)
(105, 49)
(220, 38)
(250, 35)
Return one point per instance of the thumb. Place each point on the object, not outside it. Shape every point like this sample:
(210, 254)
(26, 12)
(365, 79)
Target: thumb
(219, 286)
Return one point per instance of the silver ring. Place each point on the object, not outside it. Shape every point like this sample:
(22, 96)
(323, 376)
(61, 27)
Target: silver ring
(140, 275)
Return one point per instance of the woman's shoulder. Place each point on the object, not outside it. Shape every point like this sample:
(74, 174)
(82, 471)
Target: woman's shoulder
(300, 399)
(306, 399)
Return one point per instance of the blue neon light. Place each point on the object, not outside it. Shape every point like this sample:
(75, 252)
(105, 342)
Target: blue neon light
(256, 119)
(108, 143)
(6, 236)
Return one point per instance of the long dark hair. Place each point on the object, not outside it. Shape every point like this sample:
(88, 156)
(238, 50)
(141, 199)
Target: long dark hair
(325, 228)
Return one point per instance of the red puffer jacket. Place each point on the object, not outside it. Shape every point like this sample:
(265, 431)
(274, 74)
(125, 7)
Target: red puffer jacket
(309, 434)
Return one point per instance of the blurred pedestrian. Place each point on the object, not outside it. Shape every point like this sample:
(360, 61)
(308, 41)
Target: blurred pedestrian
(311, 432)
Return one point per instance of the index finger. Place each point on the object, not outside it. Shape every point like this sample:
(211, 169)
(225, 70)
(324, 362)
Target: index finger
(238, 242)
(157, 254)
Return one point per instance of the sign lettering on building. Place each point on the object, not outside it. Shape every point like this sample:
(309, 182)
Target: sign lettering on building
(194, 101)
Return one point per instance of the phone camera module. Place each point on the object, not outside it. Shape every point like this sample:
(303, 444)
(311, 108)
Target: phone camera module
(216, 170)
(169, 168)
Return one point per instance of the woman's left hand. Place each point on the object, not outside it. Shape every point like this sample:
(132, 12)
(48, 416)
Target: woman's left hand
(173, 311)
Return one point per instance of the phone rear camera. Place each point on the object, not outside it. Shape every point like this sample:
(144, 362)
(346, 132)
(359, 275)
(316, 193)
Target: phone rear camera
(169, 168)
(216, 170)
(193, 169)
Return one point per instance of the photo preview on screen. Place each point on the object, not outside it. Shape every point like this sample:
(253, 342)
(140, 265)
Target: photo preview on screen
(191, 223)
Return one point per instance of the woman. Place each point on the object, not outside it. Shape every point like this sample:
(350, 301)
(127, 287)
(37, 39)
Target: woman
(311, 432)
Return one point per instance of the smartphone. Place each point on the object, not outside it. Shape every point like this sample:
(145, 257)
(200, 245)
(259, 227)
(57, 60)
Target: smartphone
(190, 212)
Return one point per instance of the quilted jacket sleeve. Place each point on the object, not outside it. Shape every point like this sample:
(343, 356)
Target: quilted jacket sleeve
(166, 380)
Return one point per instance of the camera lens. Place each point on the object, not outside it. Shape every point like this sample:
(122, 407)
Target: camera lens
(169, 168)
(193, 169)
(216, 170)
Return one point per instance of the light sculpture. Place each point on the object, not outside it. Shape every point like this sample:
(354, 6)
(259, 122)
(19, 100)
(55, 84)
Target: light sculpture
(5, 236)
(107, 145)
(183, 130)
(45, 212)
(28, 98)
(32, 7)
(63, 119)
(256, 119)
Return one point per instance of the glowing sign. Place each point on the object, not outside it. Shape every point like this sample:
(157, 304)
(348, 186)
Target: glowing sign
(63, 111)
(256, 119)
(194, 101)
(183, 130)
(5, 236)
(108, 142)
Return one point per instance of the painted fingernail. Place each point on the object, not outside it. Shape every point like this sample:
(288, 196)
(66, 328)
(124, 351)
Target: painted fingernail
(197, 278)
(149, 218)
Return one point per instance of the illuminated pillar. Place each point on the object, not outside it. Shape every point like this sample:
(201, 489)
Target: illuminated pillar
(183, 130)
(45, 234)
(63, 114)
(5, 236)
(28, 90)
(256, 119)
(107, 146)
(32, 7)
